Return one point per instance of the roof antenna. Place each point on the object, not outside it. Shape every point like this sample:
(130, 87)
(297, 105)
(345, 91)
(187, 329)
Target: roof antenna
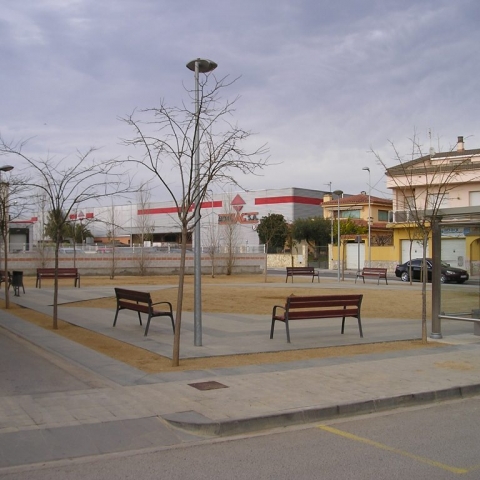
(432, 150)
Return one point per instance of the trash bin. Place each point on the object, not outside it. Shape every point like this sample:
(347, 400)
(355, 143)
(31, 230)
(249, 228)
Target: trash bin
(17, 282)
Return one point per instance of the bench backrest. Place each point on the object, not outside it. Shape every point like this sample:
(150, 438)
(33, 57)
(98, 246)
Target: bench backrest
(374, 270)
(312, 306)
(132, 296)
(300, 269)
(51, 271)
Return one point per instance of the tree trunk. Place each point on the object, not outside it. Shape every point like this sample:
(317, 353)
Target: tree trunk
(178, 313)
(266, 263)
(5, 275)
(55, 286)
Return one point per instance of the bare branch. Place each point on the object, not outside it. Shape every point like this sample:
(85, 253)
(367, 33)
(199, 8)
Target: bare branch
(165, 143)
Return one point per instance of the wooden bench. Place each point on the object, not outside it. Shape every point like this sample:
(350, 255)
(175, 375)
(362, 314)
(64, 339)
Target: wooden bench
(49, 273)
(378, 273)
(294, 271)
(320, 306)
(141, 302)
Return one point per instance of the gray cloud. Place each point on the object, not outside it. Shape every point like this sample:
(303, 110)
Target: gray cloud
(321, 82)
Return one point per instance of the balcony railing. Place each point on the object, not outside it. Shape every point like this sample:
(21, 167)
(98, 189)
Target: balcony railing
(401, 216)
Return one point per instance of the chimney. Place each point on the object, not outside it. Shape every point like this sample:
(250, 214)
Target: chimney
(460, 145)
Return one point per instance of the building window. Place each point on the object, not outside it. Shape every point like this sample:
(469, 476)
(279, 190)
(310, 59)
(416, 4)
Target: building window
(383, 215)
(350, 214)
(474, 199)
(437, 200)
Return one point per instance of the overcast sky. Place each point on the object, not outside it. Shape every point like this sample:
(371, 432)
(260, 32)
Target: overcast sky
(321, 82)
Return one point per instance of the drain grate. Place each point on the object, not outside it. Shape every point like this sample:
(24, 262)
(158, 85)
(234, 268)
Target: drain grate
(207, 385)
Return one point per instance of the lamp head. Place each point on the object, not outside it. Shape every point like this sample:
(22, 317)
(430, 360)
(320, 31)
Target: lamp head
(204, 65)
(366, 168)
(6, 168)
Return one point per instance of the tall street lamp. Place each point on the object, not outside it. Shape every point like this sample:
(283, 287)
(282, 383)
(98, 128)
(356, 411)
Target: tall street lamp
(5, 232)
(331, 216)
(4, 193)
(369, 218)
(198, 66)
(338, 193)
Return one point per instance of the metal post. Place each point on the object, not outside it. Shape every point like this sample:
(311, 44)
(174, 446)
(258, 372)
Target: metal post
(197, 252)
(369, 219)
(436, 273)
(4, 191)
(203, 66)
(338, 193)
(331, 220)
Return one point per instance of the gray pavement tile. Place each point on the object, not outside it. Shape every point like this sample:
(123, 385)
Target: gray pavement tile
(257, 395)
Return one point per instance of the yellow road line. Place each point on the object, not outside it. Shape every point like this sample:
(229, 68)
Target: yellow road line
(356, 438)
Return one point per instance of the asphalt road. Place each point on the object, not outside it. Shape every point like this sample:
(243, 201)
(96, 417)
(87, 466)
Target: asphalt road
(26, 370)
(435, 442)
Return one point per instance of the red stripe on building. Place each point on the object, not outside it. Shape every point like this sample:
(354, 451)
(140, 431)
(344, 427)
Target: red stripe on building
(168, 210)
(155, 211)
(214, 204)
(74, 216)
(288, 199)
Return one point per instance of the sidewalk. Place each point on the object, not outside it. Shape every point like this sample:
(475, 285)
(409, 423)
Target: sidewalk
(105, 406)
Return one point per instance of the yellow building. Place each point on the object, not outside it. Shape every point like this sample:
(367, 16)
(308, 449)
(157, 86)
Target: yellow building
(372, 213)
(436, 185)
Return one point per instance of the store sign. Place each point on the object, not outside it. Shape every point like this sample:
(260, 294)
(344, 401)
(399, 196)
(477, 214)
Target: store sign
(238, 216)
(453, 232)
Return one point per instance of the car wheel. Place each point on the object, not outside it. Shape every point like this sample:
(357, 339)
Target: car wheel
(443, 279)
(405, 277)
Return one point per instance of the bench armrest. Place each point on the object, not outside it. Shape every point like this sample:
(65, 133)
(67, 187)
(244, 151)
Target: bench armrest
(159, 303)
(274, 310)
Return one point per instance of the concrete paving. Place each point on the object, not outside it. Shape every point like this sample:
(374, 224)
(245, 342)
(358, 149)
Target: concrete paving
(60, 400)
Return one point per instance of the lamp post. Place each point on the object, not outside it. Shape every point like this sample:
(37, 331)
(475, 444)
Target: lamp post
(338, 193)
(131, 226)
(5, 232)
(4, 193)
(198, 66)
(331, 216)
(369, 219)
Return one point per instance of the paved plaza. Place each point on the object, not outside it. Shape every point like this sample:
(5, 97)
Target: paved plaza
(61, 400)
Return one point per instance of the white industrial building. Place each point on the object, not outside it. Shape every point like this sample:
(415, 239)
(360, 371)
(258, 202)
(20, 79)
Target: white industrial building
(243, 210)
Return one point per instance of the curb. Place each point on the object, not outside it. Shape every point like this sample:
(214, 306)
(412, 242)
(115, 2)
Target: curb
(194, 422)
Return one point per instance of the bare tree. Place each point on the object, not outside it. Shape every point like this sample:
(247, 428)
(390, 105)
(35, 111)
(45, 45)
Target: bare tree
(112, 231)
(171, 136)
(66, 183)
(12, 193)
(145, 227)
(424, 182)
(42, 251)
(212, 238)
(230, 238)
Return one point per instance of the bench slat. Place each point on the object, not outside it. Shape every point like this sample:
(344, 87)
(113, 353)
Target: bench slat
(308, 315)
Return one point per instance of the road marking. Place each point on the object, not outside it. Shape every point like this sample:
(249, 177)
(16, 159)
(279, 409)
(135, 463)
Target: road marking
(356, 438)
